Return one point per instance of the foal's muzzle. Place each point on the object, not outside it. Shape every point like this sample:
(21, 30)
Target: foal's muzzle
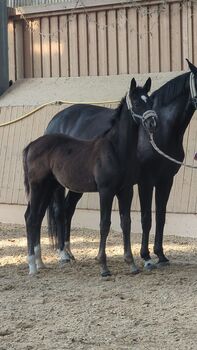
(149, 121)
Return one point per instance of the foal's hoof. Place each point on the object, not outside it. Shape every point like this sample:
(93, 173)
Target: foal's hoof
(162, 264)
(41, 266)
(134, 270)
(64, 257)
(149, 265)
(106, 274)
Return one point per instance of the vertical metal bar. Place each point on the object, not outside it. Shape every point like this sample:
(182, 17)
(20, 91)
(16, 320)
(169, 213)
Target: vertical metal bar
(4, 74)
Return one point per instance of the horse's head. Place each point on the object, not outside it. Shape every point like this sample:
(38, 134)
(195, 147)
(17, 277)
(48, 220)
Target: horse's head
(140, 105)
(193, 82)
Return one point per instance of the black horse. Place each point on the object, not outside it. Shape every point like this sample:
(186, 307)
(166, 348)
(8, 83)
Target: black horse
(107, 164)
(175, 104)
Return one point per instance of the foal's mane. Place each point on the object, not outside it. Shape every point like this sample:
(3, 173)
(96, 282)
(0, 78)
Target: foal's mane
(172, 89)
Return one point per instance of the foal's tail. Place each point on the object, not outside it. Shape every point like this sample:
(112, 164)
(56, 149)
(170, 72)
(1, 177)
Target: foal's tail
(25, 168)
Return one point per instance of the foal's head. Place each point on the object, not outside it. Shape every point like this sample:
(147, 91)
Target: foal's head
(140, 105)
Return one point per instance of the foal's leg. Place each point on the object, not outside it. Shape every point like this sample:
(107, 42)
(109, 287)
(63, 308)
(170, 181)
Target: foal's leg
(59, 218)
(124, 202)
(145, 194)
(106, 199)
(161, 196)
(40, 197)
(71, 201)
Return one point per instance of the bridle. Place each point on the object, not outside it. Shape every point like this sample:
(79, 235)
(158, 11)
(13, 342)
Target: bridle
(149, 114)
(193, 89)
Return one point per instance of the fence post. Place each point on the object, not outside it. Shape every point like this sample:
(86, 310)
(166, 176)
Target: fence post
(4, 74)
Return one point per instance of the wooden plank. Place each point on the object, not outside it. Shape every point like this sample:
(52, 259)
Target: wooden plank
(192, 149)
(83, 45)
(73, 46)
(122, 42)
(165, 52)
(175, 34)
(37, 67)
(92, 44)
(11, 51)
(18, 169)
(21, 198)
(46, 61)
(19, 50)
(4, 116)
(185, 46)
(194, 32)
(132, 41)
(28, 50)
(54, 46)
(64, 57)
(154, 39)
(7, 137)
(102, 43)
(191, 31)
(112, 43)
(143, 41)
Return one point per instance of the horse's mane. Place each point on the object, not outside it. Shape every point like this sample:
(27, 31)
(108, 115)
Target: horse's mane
(172, 89)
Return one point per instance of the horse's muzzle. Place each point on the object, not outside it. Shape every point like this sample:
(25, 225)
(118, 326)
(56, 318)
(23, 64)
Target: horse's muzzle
(149, 121)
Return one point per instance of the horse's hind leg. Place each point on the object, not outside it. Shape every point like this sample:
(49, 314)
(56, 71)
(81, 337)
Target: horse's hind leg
(124, 201)
(71, 201)
(106, 199)
(60, 218)
(40, 197)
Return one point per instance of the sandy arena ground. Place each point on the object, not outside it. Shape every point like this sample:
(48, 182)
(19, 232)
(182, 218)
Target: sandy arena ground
(71, 307)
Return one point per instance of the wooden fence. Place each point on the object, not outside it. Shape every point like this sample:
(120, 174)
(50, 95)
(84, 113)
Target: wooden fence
(104, 38)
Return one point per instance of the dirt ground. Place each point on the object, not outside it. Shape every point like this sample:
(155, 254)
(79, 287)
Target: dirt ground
(71, 307)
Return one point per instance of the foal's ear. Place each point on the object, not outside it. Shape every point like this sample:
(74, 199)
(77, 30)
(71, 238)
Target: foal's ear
(133, 85)
(192, 67)
(147, 85)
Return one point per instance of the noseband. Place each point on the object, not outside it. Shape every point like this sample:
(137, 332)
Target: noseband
(193, 89)
(149, 114)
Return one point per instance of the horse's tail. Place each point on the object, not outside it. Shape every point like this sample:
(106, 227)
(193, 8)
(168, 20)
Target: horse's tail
(25, 169)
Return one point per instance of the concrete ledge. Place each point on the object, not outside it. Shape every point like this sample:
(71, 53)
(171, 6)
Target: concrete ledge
(183, 225)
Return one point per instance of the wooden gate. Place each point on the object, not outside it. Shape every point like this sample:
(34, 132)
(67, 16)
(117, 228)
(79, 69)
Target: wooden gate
(102, 38)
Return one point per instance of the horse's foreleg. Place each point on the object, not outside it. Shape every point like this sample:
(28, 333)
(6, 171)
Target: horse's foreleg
(124, 202)
(145, 194)
(106, 200)
(162, 193)
(71, 201)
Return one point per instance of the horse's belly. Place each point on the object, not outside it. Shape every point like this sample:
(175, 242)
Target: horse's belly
(80, 185)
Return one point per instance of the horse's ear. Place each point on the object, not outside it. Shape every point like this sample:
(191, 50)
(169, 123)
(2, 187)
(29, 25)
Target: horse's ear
(147, 85)
(133, 84)
(192, 67)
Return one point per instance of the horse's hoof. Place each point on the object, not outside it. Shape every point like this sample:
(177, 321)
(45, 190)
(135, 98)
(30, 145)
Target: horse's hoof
(162, 264)
(149, 265)
(134, 270)
(33, 272)
(106, 274)
(64, 257)
(41, 266)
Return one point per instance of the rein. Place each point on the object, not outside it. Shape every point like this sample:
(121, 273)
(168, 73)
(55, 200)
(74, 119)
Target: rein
(152, 142)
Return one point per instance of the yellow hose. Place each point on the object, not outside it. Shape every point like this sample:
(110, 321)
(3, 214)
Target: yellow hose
(51, 103)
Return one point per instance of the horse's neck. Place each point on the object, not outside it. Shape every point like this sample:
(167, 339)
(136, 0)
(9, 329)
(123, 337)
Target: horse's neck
(179, 112)
(124, 133)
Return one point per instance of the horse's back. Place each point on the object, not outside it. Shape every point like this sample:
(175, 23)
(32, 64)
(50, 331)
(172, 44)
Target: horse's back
(82, 121)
